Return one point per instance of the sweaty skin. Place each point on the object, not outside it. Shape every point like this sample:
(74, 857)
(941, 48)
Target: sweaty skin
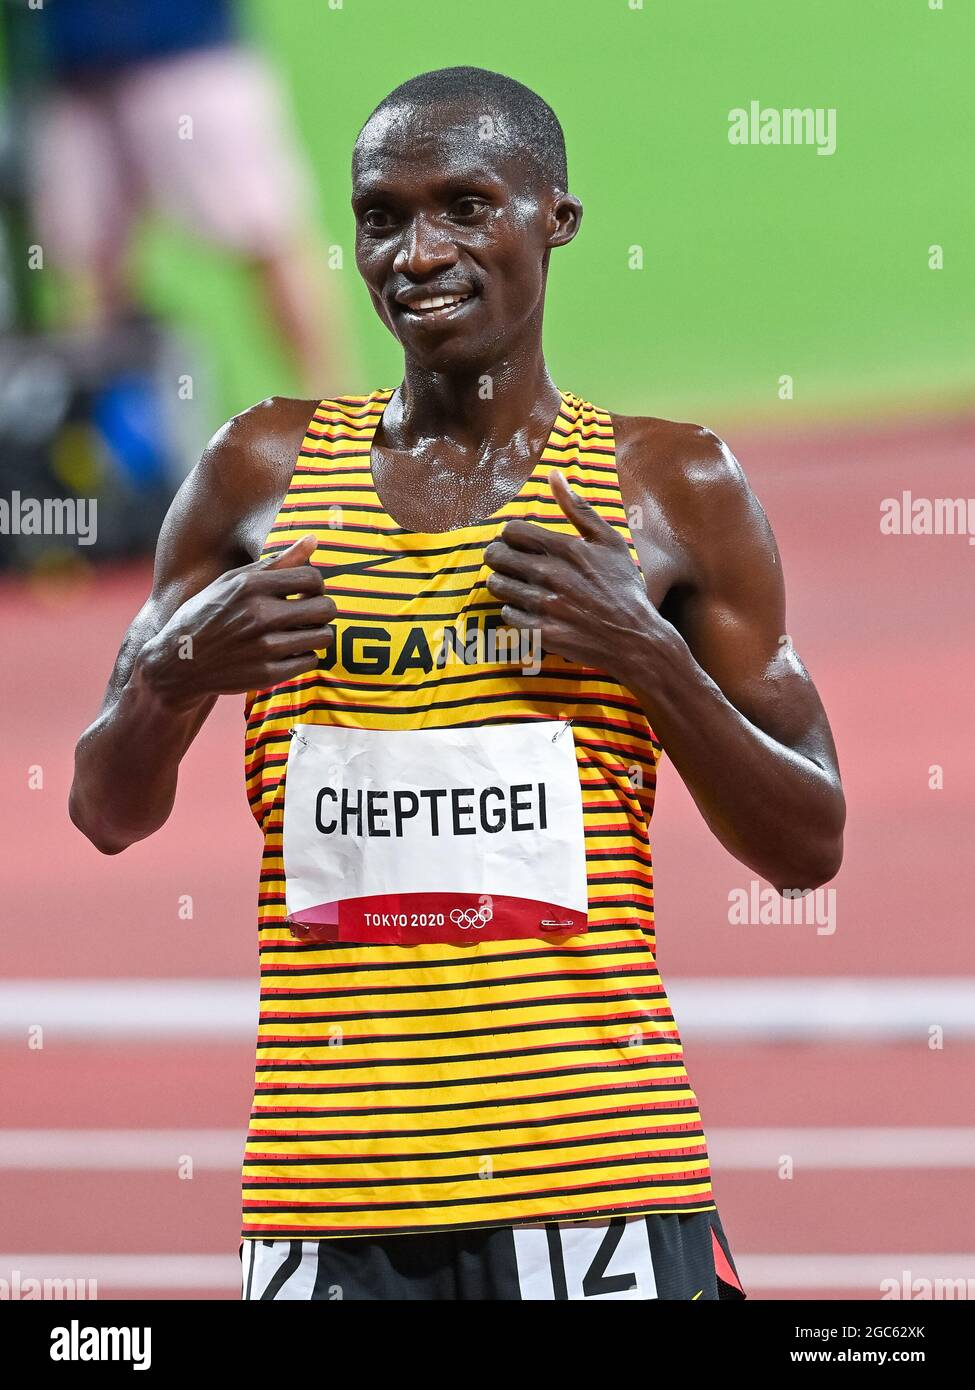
(699, 638)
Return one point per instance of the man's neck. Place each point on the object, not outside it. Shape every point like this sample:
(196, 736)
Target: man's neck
(476, 409)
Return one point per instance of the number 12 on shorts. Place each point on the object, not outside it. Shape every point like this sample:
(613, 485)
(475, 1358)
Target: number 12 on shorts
(585, 1259)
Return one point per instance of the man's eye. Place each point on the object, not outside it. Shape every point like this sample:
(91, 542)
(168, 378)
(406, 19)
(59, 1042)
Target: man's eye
(376, 219)
(468, 206)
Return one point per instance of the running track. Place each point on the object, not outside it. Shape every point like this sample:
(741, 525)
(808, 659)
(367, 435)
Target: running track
(839, 1073)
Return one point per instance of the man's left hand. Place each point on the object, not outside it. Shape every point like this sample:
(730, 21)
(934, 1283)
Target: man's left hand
(583, 594)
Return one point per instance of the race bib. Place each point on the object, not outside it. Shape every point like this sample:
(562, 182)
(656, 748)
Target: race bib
(443, 835)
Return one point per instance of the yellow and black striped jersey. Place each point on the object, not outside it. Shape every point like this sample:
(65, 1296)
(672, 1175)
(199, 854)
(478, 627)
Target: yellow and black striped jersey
(432, 1086)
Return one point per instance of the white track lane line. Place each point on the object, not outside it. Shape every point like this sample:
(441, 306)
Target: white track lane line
(894, 1274)
(126, 1271)
(814, 1273)
(773, 1009)
(732, 1150)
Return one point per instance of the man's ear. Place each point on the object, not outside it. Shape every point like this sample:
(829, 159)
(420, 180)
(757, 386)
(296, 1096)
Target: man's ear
(566, 218)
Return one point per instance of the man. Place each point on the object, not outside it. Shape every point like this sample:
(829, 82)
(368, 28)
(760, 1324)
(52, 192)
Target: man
(470, 1084)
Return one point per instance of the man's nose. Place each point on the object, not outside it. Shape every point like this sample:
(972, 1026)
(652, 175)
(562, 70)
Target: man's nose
(426, 249)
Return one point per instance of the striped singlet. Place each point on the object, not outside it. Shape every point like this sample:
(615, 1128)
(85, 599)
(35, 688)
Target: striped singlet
(417, 1088)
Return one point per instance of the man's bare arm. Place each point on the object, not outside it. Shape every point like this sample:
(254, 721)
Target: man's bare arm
(215, 622)
(733, 704)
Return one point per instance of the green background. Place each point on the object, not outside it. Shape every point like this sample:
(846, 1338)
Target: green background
(758, 261)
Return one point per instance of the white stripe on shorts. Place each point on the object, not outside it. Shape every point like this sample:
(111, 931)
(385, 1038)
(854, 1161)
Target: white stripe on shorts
(279, 1270)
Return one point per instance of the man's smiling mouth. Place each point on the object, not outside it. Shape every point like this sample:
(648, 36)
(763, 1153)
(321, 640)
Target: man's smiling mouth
(435, 306)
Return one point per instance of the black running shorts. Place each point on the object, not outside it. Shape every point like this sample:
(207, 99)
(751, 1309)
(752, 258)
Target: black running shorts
(639, 1257)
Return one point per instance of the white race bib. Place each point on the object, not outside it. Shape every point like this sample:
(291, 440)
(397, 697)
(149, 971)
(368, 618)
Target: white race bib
(444, 835)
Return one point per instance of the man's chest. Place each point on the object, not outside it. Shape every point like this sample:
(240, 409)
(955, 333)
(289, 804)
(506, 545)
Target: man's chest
(444, 489)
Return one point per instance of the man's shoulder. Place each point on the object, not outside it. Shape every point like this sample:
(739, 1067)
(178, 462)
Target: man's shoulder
(262, 432)
(242, 475)
(254, 453)
(687, 473)
(675, 455)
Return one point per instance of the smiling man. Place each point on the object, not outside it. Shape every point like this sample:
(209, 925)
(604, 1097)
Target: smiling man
(469, 1081)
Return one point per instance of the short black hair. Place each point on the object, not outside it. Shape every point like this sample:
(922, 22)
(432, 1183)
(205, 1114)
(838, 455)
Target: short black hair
(531, 121)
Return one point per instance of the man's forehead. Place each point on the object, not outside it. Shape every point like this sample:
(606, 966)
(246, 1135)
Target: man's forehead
(454, 135)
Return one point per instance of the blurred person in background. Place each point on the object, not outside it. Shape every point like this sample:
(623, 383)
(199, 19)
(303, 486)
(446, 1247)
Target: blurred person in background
(161, 106)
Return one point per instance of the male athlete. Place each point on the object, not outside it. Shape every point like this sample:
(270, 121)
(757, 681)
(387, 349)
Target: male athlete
(467, 614)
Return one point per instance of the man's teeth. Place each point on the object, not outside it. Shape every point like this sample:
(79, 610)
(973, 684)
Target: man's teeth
(439, 301)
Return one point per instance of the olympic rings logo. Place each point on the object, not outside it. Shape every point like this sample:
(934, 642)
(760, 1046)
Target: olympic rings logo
(471, 918)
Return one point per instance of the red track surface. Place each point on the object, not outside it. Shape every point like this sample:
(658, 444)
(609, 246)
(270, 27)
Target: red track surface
(885, 625)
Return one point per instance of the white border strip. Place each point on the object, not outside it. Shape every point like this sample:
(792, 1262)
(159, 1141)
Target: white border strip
(773, 1009)
(731, 1150)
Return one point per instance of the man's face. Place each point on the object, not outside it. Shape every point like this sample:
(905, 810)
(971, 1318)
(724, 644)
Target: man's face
(443, 214)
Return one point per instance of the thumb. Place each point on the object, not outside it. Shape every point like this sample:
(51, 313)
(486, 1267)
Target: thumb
(581, 513)
(298, 553)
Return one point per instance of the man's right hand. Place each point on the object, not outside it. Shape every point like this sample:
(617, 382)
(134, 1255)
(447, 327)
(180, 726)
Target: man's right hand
(242, 632)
